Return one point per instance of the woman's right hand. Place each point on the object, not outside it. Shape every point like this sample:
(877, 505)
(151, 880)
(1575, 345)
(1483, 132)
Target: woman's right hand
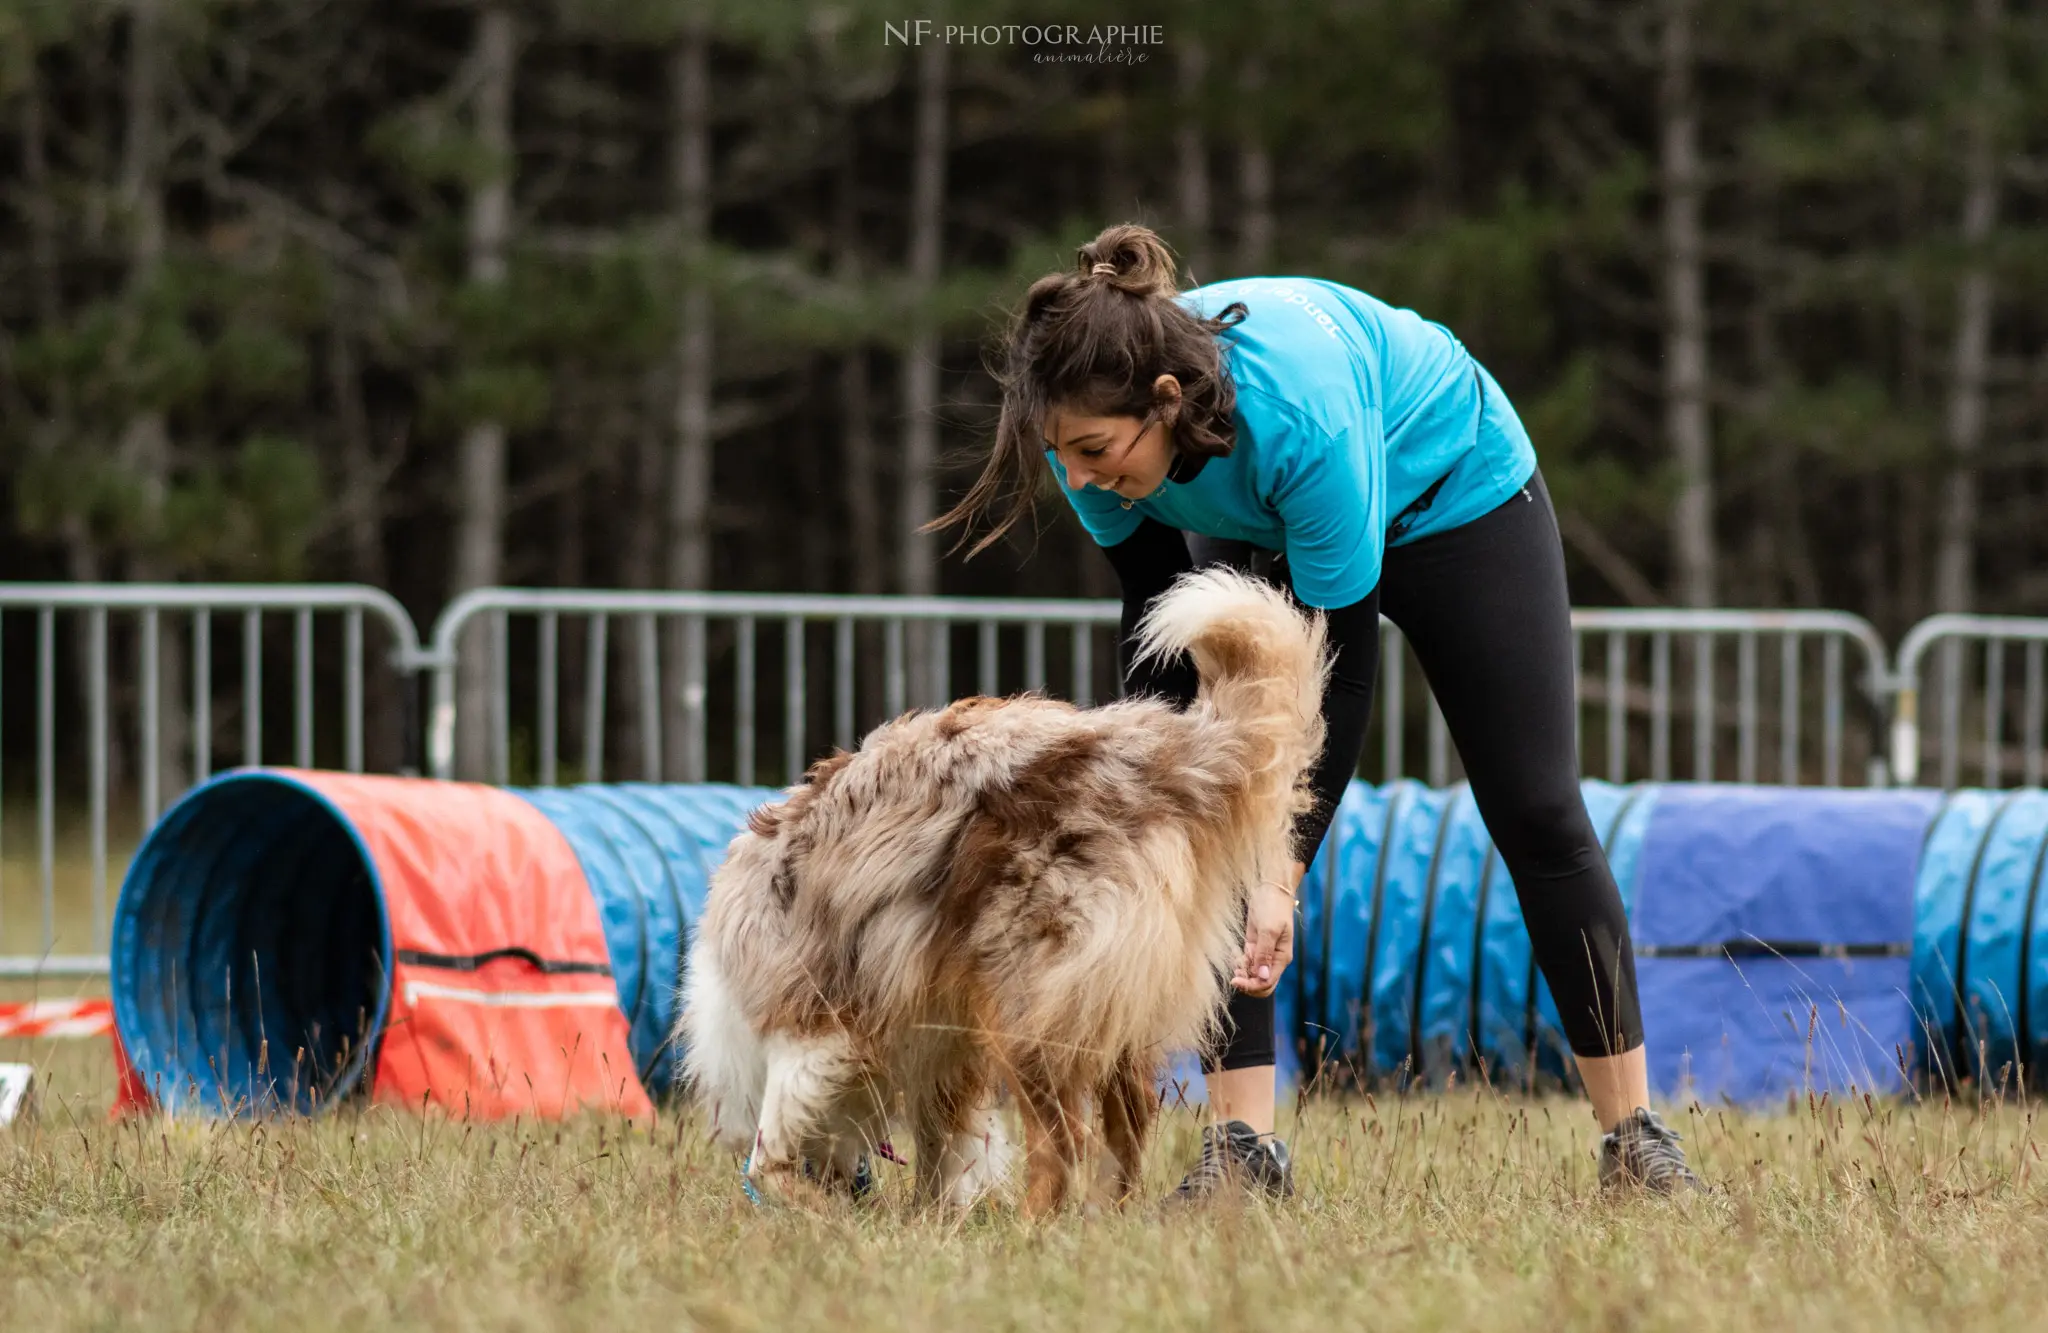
(1268, 934)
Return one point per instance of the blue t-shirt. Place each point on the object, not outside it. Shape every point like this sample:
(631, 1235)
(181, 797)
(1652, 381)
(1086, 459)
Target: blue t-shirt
(1348, 410)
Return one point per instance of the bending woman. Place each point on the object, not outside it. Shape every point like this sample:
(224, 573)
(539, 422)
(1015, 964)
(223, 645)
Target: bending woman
(1359, 455)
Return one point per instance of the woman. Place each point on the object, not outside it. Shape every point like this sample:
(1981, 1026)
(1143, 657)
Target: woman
(1359, 454)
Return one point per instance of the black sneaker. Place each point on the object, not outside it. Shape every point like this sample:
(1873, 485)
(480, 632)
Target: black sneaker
(1234, 1153)
(1643, 1153)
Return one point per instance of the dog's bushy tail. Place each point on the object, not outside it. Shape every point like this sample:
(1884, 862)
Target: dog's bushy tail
(1262, 665)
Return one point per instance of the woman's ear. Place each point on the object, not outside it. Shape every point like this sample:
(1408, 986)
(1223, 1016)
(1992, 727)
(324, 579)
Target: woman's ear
(1166, 398)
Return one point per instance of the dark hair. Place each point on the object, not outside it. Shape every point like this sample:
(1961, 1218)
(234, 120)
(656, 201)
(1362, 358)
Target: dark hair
(1097, 340)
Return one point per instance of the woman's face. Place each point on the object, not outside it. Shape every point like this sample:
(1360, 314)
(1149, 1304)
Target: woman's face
(1126, 455)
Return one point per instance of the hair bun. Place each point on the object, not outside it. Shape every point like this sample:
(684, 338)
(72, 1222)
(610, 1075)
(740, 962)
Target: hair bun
(1132, 259)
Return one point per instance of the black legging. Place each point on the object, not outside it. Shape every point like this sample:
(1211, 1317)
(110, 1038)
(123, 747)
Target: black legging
(1486, 609)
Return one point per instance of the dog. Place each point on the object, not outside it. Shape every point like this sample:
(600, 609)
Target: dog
(1004, 892)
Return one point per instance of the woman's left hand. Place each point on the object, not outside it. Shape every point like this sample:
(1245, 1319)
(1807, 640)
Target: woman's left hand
(1268, 934)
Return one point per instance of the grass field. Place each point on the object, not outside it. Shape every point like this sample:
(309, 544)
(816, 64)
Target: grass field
(1451, 1211)
(70, 906)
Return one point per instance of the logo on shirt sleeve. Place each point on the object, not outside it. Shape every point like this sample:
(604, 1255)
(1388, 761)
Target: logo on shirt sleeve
(1296, 297)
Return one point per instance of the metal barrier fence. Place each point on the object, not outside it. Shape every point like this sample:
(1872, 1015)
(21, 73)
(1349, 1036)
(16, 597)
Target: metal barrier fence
(586, 686)
(1993, 711)
(190, 692)
(1788, 672)
(691, 657)
(694, 657)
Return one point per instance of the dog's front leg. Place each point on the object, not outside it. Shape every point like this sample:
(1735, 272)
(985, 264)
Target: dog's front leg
(961, 1159)
(978, 1161)
(1128, 1108)
(1052, 1143)
(961, 1150)
(807, 1077)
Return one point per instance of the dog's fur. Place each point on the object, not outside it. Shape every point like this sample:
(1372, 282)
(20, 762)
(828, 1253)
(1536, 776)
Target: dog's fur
(1005, 891)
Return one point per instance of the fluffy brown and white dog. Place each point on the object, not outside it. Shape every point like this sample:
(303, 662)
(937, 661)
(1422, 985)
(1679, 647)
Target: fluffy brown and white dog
(1005, 891)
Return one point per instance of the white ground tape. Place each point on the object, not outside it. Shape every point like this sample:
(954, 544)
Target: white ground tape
(15, 1081)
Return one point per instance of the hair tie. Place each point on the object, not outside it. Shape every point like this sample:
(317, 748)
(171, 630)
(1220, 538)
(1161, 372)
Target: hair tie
(1101, 269)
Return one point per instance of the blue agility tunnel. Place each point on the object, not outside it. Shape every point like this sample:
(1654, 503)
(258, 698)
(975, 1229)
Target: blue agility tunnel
(647, 853)
(1756, 911)
(1411, 956)
(1787, 938)
(1775, 939)
(1980, 965)
(285, 938)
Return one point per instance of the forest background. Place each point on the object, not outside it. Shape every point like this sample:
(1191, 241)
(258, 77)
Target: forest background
(621, 293)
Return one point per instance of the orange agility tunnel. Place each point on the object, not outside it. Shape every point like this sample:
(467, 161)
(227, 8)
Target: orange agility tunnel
(286, 939)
